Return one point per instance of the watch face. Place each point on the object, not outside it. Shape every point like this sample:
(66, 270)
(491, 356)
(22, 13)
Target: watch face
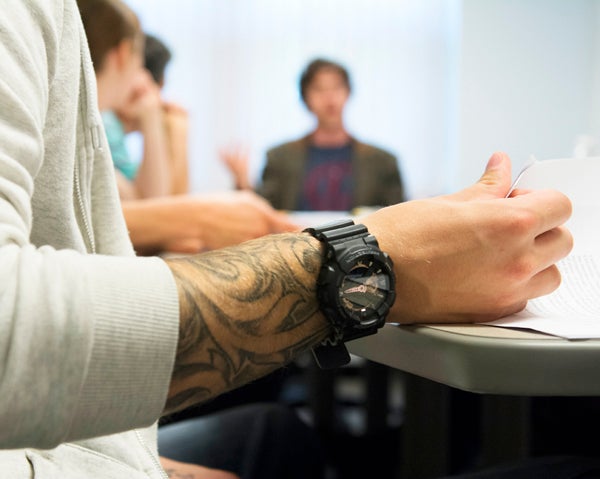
(364, 289)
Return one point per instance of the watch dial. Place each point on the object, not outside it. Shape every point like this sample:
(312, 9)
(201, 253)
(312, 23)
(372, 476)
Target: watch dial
(365, 288)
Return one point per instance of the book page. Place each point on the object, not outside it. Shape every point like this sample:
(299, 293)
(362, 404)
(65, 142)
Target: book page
(573, 310)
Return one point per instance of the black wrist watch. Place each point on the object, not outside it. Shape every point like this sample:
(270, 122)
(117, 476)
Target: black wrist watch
(355, 288)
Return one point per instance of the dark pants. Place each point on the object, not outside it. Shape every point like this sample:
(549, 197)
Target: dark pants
(259, 441)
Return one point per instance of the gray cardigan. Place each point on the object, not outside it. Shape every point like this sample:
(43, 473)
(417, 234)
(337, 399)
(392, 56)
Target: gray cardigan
(88, 332)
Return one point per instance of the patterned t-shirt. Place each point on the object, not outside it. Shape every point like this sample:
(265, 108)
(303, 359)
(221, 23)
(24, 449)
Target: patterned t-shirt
(328, 182)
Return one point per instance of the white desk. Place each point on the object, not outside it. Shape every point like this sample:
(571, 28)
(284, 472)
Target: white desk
(486, 359)
(506, 366)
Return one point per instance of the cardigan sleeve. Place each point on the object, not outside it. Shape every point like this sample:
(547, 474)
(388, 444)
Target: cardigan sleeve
(87, 342)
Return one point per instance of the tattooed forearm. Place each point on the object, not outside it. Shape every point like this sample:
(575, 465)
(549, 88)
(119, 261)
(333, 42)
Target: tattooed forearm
(245, 311)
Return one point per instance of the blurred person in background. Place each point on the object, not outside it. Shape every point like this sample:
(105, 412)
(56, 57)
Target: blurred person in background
(163, 127)
(328, 169)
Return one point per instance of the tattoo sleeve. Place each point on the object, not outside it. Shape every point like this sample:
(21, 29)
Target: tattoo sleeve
(245, 311)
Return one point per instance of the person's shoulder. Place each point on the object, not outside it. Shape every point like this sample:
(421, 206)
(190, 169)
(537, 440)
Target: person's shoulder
(286, 147)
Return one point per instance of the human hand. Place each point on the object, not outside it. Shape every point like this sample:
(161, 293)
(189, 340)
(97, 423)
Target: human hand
(236, 159)
(174, 108)
(183, 470)
(474, 255)
(176, 118)
(195, 223)
(234, 217)
(144, 104)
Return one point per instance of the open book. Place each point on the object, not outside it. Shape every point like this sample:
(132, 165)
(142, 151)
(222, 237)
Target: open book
(573, 310)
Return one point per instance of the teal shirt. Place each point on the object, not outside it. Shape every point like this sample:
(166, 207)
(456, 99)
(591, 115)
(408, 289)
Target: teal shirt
(118, 146)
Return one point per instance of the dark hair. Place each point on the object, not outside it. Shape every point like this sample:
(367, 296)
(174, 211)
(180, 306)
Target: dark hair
(317, 65)
(107, 23)
(156, 57)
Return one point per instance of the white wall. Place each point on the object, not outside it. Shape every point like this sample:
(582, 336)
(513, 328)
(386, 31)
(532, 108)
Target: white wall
(529, 80)
(594, 127)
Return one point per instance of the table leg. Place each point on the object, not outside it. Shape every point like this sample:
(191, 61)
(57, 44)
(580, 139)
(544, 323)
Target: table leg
(376, 399)
(506, 429)
(321, 398)
(425, 431)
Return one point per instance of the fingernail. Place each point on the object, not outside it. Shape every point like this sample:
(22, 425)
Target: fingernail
(495, 160)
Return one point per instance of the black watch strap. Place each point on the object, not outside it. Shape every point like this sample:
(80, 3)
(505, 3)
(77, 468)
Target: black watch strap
(339, 236)
(341, 232)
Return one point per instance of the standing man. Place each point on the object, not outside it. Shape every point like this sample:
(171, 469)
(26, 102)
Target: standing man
(328, 169)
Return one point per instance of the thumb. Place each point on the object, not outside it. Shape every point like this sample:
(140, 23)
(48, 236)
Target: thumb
(494, 183)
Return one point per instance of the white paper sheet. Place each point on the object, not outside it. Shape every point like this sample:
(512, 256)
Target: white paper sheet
(573, 310)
